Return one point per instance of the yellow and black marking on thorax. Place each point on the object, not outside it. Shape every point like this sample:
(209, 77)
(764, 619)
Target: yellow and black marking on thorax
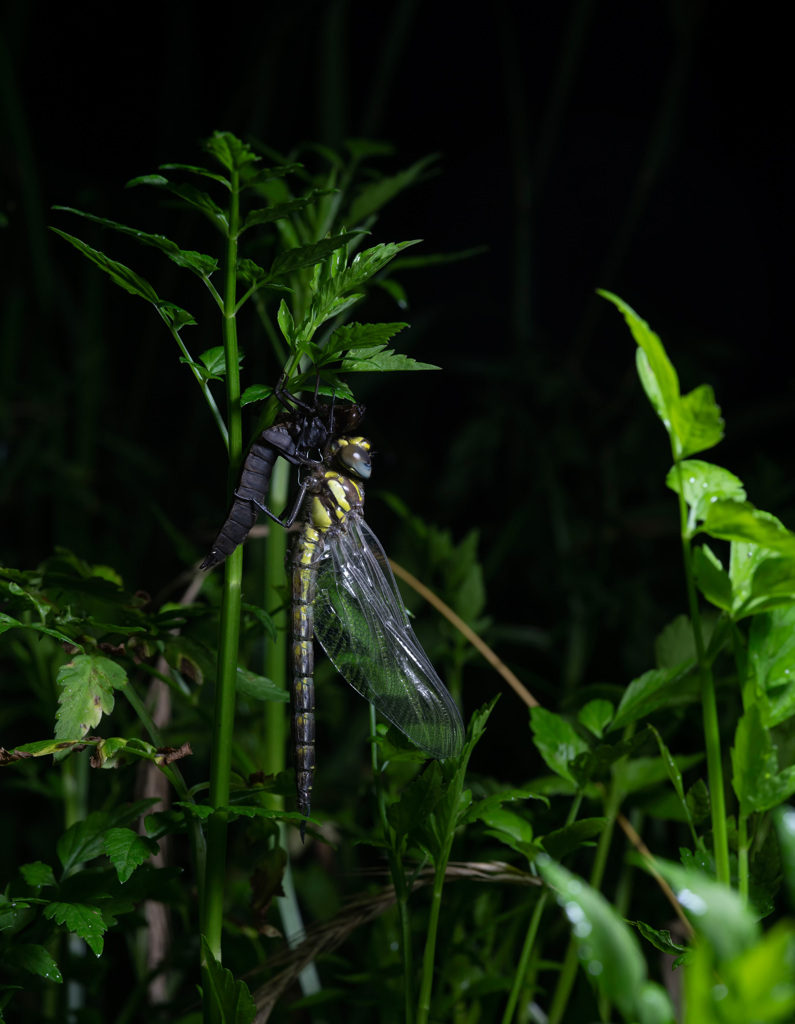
(332, 499)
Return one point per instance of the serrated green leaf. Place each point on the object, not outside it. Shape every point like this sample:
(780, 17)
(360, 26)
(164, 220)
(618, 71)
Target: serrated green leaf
(230, 151)
(127, 850)
(701, 484)
(356, 336)
(9, 622)
(369, 262)
(364, 362)
(661, 939)
(771, 660)
(271, 174)
(84, 840)
(86, 683)
(596, 716)
(33, 958)
(188, 194)
(698, 802)
(193, 169)
(82, 919)
(309, 255)
(256, 393)
(197, 262)
(269, 214)
(37, 874)
(118, 273)
(232, 999)
(557, 742)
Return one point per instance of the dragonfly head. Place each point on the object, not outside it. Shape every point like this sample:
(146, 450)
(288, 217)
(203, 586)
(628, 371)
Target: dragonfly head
(354, 454)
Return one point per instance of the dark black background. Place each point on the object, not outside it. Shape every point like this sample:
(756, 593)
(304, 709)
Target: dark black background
(642, 147)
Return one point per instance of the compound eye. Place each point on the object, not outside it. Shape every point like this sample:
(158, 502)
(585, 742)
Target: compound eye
(357, 459)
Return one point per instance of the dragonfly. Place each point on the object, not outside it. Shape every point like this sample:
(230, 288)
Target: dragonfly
(344, 595)
(300, 429)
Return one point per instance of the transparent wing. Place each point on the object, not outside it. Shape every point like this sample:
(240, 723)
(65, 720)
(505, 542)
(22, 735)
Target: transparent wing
(363, 627)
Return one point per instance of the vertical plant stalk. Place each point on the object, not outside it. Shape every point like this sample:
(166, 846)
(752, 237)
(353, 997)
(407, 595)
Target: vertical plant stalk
(398, 880)
(223, 721)
(524, 960)
(709, 706)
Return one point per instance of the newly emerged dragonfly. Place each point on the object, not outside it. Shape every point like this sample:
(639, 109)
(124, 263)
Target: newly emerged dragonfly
(344, 593)
(302, 428)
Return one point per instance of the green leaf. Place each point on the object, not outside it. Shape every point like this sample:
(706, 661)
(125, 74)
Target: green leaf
(202, 171)
(8, 622)
(771, 661)
(596, 716)
(356, 335)
(661, 939)
(756, 778)
(188, 194)
(656, 371)
(697, 421)
(269, 214)
(201, 265)
(366, 361)
(717, 913)
(309, 255)
(655, 689)
(509, 828)
(784, 818)
(740, 521)
(563, 841)
(374, 196)
(369, 262)
(711, 578)
(230, 151)
(557, 742)
(127, 850)
(231, 998)
(37, 874)
(608, 950)
(259, 687)
(87, 683)
(698, 803)
(118, 273)
(32, 958)
(84, 840)
(701, 484)
(286, 323)
(82, 919)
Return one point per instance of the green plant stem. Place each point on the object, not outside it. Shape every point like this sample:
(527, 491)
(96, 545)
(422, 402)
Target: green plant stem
(223, 723)
(398, 880)
(568, 972)
(524, 960)
(709, 707)
(742, 856)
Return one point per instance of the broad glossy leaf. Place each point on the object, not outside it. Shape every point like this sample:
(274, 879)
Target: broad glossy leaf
(756, 778)
(697, 421)
(711, 578)
(784, 818)
(740, 521)
(717, 913)
(557, 742)
(596, 716)
(608, 951)
(771, 658)
(655, 689)
(701, 484)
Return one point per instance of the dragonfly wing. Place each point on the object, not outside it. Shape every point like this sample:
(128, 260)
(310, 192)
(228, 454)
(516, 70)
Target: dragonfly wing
(362, 624)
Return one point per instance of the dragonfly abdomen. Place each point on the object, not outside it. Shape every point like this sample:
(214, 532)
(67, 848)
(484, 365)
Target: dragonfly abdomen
(304, 580)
